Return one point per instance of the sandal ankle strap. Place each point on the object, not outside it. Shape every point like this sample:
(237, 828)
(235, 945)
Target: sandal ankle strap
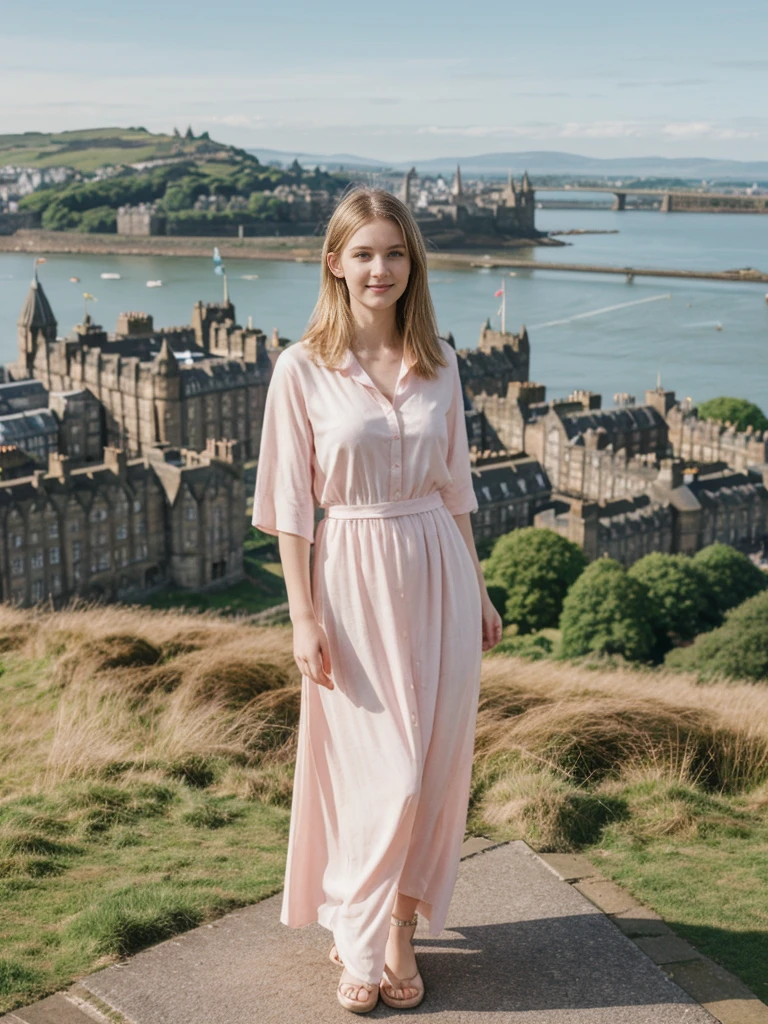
(404, 924)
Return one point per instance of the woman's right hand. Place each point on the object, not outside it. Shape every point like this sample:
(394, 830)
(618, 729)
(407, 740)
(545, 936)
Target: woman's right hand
(310, 651)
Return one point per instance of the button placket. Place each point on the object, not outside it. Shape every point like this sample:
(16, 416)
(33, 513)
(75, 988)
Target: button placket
(396, 455)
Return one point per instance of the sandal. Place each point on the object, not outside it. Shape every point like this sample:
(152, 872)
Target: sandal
(393, 983)
(358, 1005)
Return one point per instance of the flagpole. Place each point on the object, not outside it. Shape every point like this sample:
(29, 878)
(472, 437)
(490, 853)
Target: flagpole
(503, 305)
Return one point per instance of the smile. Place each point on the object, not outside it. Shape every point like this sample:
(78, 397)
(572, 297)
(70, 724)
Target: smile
(378, 287)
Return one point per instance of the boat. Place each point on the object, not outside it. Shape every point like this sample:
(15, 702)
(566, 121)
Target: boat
(110, 277)
(250, 277)
(154, 284)
(74, 280)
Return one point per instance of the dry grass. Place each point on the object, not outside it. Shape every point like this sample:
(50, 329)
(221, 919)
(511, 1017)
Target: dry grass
(117, 693)
(112, 692)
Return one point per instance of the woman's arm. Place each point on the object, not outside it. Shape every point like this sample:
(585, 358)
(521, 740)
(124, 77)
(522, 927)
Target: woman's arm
(491, 619)
(310, 644)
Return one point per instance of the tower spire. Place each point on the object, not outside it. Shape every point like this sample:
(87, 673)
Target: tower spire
(457, 188)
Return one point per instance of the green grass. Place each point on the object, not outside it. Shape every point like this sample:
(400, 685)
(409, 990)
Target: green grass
(91, 872)
(94, 148)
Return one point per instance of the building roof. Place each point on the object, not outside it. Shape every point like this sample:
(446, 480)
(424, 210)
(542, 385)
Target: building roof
(17, 395)
(21, 426)
(36, 311)
(615, 421)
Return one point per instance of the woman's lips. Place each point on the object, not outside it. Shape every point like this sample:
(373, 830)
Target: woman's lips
(379, 287)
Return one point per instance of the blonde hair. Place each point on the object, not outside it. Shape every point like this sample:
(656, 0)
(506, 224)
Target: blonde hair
(331, 326)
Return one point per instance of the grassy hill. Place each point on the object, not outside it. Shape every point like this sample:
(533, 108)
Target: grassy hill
(146, 766)
(98, 147)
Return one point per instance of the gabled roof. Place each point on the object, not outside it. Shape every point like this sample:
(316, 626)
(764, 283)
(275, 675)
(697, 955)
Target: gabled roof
(36, 311)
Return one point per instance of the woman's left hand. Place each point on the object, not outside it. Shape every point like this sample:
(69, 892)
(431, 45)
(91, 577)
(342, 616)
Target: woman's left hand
(491, 623)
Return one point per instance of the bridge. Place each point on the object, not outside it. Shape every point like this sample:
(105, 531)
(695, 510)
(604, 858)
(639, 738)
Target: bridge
(676, 200)
(742, 274)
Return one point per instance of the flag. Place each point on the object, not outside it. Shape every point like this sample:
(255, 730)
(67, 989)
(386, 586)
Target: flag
(92, 298)
(498, 293)
(218, 266)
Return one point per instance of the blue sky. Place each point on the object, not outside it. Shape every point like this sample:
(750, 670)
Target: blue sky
(399, 80)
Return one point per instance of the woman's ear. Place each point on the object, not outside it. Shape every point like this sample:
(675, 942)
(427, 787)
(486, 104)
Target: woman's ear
(333, 265)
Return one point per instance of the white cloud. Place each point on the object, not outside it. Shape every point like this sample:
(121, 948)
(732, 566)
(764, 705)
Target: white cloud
(602, 130)
(705, 130)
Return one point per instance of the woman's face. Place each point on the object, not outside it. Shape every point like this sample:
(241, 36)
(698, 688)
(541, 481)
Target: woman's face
(374, 263)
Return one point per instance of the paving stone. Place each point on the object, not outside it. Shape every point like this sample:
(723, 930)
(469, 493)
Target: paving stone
(709, 984)
(570, 867)
(607, 896)
(55, 1009)
(476, 844)
(667, 949)
(640, 921)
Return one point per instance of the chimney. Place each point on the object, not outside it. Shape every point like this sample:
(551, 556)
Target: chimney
(58, 466)
(115, 459)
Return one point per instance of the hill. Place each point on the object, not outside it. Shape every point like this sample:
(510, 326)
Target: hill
(541, 162)
(93, 148)
(151, 755)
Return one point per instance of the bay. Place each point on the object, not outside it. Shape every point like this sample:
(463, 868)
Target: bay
(589, 331)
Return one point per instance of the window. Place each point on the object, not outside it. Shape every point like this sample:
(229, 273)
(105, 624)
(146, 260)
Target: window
(190, 512)
(36, 561)
(137, 505)
(53, 529)
(37, 590)
(76, 551)
(121, 532)
(104, 561)
(53, 556)
(523, 485)
(18, 540)
(18, 566)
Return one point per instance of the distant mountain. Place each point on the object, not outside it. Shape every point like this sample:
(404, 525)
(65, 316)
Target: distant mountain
(539, 162)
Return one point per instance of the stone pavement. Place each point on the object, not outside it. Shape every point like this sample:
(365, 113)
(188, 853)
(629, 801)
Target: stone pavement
(521, 945)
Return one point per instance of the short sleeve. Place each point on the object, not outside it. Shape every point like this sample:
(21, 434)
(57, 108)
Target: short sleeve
(459, 495)
(283, 501)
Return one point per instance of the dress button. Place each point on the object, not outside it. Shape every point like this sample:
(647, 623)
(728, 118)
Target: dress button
(397, 465)
(413, 719)
(395, 437)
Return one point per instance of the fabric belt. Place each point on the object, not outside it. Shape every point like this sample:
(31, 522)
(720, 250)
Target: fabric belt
(386, 508)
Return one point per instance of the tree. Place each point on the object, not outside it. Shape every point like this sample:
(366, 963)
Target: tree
(102, 219)
(607, 611)
(678, 602)
(736, 650)
(737, 411)
(536, 567)
(730, 578)
(188, 134)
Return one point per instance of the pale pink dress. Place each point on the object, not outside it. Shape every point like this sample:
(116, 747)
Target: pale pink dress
(384, 759)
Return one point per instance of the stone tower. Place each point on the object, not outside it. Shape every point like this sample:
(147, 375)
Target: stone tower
(36, 328)
(457, 189)
(406, 191)
(166, 380)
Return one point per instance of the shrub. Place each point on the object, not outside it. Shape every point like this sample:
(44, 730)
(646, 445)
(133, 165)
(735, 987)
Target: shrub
(737, 650)
(678, 605)
(730, 578)
(536, 567)
(606, 611)
(737, 411)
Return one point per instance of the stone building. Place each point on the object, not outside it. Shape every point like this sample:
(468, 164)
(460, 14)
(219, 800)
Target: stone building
(510, 487)
(509, 213)
(214, 388)
(70, 424)
(123, 528)
(680, 513)
(143, 219)
(711, 441)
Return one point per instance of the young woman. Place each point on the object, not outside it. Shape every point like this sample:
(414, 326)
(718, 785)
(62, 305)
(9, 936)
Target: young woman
(365, 416)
